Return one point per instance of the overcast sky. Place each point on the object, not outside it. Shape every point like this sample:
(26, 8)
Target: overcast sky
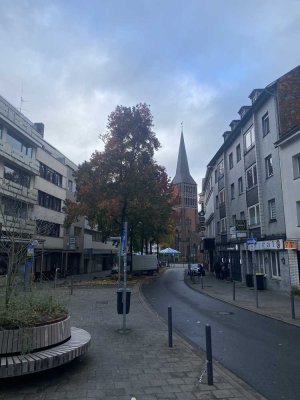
(195, 61)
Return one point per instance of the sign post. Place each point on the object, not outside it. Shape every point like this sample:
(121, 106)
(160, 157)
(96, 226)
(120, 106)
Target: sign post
(124, 251)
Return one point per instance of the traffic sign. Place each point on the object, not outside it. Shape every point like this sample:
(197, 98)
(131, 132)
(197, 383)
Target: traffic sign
(251, 247)
(251, 241)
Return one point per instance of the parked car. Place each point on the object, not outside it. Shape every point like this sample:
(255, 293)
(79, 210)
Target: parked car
(196, 269)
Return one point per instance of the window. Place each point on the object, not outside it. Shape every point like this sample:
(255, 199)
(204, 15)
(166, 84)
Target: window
(240, 185)
(230, 161)
(251, 177)
(1, 131)
(16, 175)
(218, 227)
(15, 208)
(242, 215)
(238, 153)
(233, 220)
(296, 166)
(96, 236)
(77, 231)
(272, 210)
(19, 145)
(298, 211)
(217, 201)
(261, 261)
(232, 191)
(223, 225)
(249, 139)
(50, 175)
(220, 169)
(70, 185)
(265, 124)
(222, 196)
(269, 166)
(216, 176)
(48, 201)
(46, 228)
(253, 213)
(274, 264)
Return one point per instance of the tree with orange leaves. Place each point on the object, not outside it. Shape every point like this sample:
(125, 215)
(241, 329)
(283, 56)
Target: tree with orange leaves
(124, 182)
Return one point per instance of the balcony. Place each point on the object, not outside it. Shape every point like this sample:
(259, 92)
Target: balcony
(18, 158)
(17, 191)
(17, 226)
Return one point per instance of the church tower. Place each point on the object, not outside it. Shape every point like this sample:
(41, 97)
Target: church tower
(186, 237)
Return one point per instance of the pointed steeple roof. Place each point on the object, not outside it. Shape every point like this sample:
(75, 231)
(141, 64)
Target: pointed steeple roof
(182, 171)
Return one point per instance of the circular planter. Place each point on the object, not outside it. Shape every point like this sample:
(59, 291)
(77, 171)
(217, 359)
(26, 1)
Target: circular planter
(26, 340)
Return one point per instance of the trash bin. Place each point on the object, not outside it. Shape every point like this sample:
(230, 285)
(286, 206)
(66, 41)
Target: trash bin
(120, 300)
(249, 280)
(261, 281)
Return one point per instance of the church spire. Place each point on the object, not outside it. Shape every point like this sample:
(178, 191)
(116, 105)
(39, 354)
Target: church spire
(182, 171)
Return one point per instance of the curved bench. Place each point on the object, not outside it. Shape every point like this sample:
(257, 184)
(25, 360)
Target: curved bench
(28, 340)
(37, 361)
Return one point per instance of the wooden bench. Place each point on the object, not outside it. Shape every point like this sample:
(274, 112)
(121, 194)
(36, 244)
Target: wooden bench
(15, 365)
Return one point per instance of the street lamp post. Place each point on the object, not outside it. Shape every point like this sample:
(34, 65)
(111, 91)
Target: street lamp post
(118, 240)
(124, 248)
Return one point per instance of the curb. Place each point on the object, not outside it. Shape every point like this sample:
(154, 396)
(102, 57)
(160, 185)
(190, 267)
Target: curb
(247, 392)
(231, 302)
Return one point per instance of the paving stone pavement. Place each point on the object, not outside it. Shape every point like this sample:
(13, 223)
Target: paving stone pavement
(271, 303)
(118, 366)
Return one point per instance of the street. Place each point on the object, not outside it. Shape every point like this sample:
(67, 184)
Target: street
(261, 351)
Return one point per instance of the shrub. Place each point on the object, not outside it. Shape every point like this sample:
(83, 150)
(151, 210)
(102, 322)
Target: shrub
(27, 309)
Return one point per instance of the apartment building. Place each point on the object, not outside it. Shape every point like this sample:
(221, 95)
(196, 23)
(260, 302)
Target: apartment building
(35, 180)
(245, 191)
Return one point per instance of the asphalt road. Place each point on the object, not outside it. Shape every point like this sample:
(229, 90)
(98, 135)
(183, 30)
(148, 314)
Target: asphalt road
(263, 352)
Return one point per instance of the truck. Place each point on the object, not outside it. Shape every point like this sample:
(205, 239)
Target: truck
(141, 264)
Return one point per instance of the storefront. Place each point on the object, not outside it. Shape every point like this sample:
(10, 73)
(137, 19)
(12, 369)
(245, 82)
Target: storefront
(274, 261)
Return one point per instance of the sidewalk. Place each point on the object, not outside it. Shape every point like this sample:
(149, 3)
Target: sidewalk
(118, 366)
(271, 303)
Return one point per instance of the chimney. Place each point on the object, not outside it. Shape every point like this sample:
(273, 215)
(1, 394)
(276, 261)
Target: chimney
(226, 135)
(234, 123)
(39, 127)
(242, 111)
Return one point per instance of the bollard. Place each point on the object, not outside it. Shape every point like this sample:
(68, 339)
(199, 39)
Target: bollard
(170, 326)
(209, 366)
(233, 290)
(201, 281)
(71, 284)
(256, 291)
(55, 277)
(293, 305)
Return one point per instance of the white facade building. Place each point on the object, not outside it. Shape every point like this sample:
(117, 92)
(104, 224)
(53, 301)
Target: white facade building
(35, 180)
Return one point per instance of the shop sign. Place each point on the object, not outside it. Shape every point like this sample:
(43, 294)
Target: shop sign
(72, 243)
(251, 247)
(241, 225)
(270, 245)
(290, 245)
(240, 234)
(232, 232)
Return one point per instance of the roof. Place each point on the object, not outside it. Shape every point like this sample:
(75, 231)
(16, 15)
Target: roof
(182, 170)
